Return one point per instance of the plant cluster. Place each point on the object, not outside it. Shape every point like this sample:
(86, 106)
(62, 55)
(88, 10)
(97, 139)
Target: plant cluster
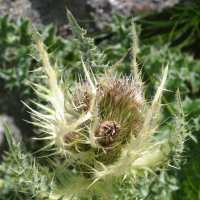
(95, 124)
(101, 126)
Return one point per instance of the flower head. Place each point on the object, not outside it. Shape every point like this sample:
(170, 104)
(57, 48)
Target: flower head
(104, 127)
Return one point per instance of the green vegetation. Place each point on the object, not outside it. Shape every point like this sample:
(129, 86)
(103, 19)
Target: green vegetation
(184, 71)
(15, 50)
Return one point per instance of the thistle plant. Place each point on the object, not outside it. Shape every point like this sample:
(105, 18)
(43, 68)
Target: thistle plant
(101, 126)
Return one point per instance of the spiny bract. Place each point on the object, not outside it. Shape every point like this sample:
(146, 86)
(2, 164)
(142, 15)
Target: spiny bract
(104, 127)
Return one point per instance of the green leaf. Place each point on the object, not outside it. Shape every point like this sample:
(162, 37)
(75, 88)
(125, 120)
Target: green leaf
(86, 45)
(15, 149)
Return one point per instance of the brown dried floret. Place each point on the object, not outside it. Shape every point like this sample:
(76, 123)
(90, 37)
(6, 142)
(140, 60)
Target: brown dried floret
(108, 131)
(82, 97)
(69, 137)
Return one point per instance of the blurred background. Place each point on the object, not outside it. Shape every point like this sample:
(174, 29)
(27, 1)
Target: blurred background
(168, 31)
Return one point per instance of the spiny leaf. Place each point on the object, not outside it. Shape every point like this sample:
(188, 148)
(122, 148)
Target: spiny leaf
(76, 28)
(15, 149)
(35, 34)
(86, 45)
